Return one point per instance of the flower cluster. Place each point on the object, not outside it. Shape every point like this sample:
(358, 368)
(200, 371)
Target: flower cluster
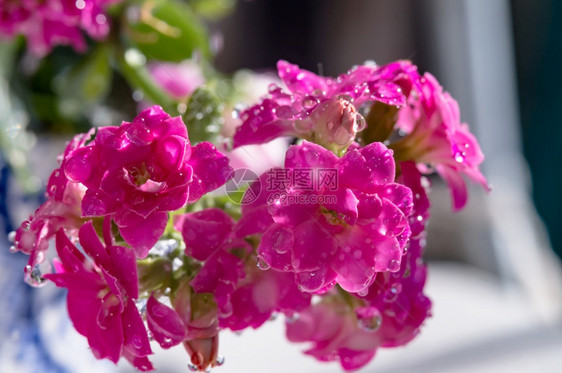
(333, 239)
(49, 23)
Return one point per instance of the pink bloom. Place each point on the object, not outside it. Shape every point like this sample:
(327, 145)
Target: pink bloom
(390, 312)
(260, 294)
(333, 331)
(54, 22)
(164, 323)
(389, 316)
(177, 79)
(101, 295)
(244, 295)
(359, 221)
(140, 170)
(61, 210)
(438, 138)
(295, 112)
(208, 237)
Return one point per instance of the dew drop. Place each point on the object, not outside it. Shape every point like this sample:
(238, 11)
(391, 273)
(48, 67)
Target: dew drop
(137, 342)
(13, 249)
(25, 225)
(370, 324)
(12, 237)
(100, 19)
(360, 122)
(220, 360)
(309, 102)
(192, 367)
(262, 264)
(33, 276)
(394, 265)
(344, 97)
(285, 112)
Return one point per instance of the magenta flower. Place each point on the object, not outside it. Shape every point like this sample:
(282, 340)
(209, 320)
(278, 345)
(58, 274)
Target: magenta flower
(60, 210)
(102, 289)
(435, 136)
(359, 220)
(261, 294)
(137, 172)
(388, 314)
(164, 323)
(317, 108)
(335, 336)
(208, 237)
(49, 23)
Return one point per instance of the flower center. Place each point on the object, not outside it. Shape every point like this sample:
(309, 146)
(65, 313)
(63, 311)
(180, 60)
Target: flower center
(139, 174)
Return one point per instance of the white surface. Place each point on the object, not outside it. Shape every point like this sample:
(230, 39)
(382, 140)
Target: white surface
(479, 325)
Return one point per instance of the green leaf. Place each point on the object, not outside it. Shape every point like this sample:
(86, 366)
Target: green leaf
(167, 30)
(203, 116)
(84, 84)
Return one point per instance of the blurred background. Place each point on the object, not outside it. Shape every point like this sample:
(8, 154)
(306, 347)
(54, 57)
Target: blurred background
(494, 276)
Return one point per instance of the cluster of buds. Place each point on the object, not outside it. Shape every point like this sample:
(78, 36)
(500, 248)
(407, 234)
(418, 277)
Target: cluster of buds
(333, 239)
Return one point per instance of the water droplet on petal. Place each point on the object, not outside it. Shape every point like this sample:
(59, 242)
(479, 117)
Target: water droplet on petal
(26, 225)
(33, 276)
(192, 367)
(137, 341)
(369, 319)
(344, 97)
(262, 264)
(361, 123)
(309, 102)
(12, 237)
(220, 360)
(393, 265)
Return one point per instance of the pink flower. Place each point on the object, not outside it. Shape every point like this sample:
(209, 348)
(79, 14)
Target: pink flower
(335, 336)
(359, 220)
(140, 170)
(54, 22)
(389, 314)
(178, 79)
(102, 289)
(260, 294)
(164, 323)
(60, 210)
(296, 112)
(208, 237)
(435, 136)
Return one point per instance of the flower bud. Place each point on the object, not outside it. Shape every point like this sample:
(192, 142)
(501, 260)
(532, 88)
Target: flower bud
(203, 352)
(336, 123)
